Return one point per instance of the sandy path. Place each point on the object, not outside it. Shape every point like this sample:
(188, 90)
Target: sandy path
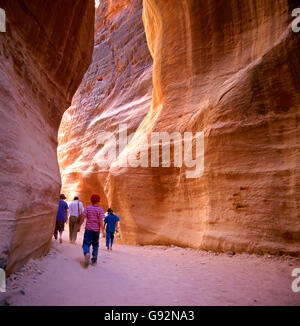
(153, 275)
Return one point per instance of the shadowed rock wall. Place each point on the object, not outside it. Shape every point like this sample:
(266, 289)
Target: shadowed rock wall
(44, 53)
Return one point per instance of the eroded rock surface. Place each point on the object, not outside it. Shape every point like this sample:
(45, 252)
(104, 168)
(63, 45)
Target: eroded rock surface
(228, 68)
(44, 53)
(116, 89)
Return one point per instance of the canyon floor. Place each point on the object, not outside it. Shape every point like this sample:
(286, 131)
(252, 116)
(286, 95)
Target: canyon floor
(152, 275)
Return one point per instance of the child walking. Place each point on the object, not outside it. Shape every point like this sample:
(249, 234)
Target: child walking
(94, 224)
(111, 222)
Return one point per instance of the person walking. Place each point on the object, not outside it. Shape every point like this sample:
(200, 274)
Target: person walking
(61, 217)
(111, 222)
(94, 224)
(75, 211)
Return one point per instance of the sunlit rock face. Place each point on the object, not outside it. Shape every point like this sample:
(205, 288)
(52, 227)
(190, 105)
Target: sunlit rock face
(229, 69)
(44, 54)
(116, 89)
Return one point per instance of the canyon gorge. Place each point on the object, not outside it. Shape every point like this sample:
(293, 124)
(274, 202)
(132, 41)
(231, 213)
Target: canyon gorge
(227, 68)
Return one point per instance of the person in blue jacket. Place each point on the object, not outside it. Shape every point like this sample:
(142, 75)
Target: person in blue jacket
(111, 222)
(61, 217)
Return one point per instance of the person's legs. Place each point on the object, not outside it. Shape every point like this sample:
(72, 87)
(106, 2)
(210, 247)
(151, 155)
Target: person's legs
(112, 235)
(95, 244)
(107, 239)
(71, 227)
(87, 241)
(73, 224)
(55, 231)
(74, 235)
(61, 228)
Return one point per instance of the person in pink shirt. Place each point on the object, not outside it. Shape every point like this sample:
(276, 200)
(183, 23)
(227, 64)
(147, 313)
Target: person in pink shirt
(94, 224)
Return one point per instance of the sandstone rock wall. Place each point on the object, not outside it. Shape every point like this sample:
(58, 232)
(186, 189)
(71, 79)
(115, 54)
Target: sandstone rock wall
(227, 68)
(44, 53)
(117, 88)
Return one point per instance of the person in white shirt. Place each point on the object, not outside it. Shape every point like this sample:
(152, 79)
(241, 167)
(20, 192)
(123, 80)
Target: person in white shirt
(75, 211)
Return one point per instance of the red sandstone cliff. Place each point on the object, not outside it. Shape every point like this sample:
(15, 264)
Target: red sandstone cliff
(44, 53)
(227, 68)
(116, 89)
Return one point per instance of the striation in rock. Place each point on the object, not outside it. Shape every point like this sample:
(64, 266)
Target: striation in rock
(116, 89)
(227, 68)
(44, 53)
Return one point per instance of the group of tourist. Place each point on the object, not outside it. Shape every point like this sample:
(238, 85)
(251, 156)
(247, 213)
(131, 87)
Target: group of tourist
(96, 221)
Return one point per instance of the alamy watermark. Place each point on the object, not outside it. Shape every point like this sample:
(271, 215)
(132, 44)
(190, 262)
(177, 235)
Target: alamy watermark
(2, 21)
(2, 280)
(296, 21)
(176, 150)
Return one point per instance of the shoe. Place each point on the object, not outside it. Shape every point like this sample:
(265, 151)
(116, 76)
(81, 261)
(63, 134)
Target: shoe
(87, 260)
(60, 240)
(94, 263)
(110, 248)
(107, 248)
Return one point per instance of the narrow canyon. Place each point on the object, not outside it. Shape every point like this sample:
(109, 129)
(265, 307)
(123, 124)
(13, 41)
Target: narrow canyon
(229, 69)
